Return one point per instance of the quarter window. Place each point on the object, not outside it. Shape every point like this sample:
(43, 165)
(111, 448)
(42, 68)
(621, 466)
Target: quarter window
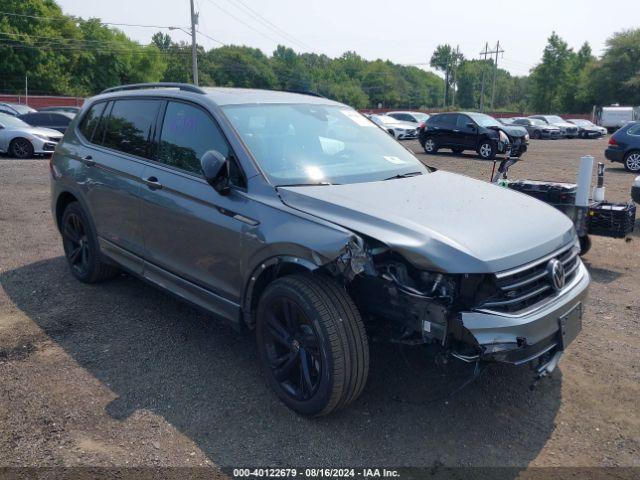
(130, 126)
(90, 120)
(187, 133)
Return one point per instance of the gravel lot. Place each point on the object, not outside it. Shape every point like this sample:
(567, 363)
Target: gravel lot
(121, 374)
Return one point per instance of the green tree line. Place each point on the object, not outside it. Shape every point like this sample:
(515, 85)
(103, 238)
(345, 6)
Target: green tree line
(66, 55)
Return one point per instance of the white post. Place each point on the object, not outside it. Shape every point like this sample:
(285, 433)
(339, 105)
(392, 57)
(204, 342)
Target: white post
(26, 90)
(584, 181)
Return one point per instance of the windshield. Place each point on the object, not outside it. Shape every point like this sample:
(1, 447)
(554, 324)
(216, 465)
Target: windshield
(484, 120)
(554, 119)
(21, 108)
(11, 121)
(421, 117)
(535, 121)
(315, 144)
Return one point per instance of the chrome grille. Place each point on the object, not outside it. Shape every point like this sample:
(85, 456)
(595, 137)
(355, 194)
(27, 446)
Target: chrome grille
(524, 287)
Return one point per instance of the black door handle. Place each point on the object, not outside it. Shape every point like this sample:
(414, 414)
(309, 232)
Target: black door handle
(152, 183)
(88, 161)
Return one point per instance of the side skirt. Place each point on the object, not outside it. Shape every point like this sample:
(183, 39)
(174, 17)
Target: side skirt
(177, 286)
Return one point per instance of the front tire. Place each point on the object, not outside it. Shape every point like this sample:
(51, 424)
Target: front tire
(585, 245)
(430, 146)
(537, 134)
(21, 148)
(487, 150)
(81, 247)
(312, 344)
(632, 162)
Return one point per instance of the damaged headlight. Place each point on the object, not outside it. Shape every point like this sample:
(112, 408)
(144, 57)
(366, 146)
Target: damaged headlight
(354, 259)
(423, 284)
(504, 138)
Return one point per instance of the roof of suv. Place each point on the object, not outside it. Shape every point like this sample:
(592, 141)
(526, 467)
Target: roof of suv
(224, 95)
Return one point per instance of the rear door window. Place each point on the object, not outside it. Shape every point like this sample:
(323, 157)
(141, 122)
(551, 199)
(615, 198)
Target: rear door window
(90, 120)
(449, 120)
(187, 133)
(130, 126)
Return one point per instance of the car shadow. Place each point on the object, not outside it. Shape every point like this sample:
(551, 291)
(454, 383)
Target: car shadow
(158, 354)
(602, 275)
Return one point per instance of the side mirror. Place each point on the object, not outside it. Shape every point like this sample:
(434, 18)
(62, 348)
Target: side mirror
(471, 125)
(215, 169)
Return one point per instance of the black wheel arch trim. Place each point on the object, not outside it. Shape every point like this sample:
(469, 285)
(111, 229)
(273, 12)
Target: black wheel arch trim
(264, 268)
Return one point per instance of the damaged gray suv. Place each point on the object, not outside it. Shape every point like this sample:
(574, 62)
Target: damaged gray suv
(296, 217)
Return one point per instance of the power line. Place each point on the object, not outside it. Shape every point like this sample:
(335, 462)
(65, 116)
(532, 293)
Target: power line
(209, 37)
(242, 21)
(272, 26)
(66, 19)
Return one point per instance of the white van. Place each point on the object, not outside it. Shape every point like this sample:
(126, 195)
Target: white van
(614, 117)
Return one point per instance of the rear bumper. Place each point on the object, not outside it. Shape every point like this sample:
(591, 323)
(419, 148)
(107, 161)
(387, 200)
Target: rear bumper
(522, 338)
(614, 154)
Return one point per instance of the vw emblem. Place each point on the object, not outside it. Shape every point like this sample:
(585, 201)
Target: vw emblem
(555, 271)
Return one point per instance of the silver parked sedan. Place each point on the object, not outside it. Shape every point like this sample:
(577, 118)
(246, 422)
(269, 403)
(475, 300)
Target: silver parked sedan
(21, 140)
(396, 128)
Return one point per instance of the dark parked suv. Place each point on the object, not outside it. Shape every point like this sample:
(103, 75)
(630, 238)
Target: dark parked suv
(624, 147)
(297, 218)
(472, 131)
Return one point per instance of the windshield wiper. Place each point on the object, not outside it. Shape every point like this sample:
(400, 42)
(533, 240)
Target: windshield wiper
(404, 175)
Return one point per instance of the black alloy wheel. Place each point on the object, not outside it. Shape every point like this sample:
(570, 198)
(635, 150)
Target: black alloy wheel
(292, 349)
(81, 247)
(21, 148)
(312, 343)
(76, 244)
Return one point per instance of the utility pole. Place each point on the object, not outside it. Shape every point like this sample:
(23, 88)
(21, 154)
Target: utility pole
(485, 53)
(455, 72)
(495, 73)
(194, 45)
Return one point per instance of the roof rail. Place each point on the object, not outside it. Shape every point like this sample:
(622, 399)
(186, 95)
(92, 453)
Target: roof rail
(187, 87)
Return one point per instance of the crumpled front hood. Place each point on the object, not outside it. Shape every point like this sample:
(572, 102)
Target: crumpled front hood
(514, 131)
(441, 220)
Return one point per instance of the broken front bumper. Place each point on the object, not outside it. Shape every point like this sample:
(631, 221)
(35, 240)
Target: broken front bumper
(523, 337)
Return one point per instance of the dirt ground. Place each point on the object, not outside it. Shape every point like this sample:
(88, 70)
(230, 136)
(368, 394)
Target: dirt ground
(121, 374)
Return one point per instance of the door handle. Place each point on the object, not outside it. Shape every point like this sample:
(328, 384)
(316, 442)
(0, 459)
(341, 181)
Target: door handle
(88, 160)
(152, 183)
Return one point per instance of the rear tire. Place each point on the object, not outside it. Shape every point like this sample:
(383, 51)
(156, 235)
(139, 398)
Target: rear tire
(430, 146)
(487, 150)
(81, 247)
(21, 148)
(632, 161)
(312, 344)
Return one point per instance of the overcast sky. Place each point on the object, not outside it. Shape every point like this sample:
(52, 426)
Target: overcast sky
(402, 31)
